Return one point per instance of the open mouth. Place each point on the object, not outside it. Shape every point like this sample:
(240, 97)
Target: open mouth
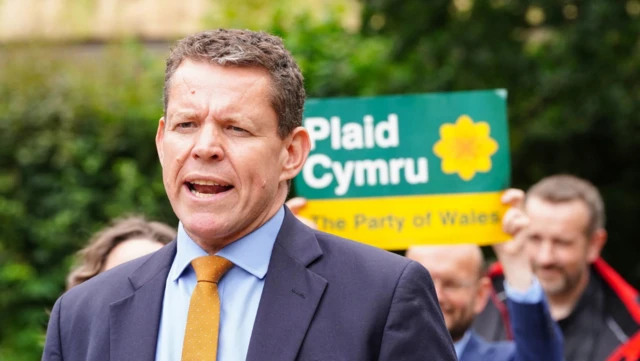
(205, 189)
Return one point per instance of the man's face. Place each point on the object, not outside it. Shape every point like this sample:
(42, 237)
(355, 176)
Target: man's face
(224, 166)
(461, 291)
(130, 249)
(557, 244)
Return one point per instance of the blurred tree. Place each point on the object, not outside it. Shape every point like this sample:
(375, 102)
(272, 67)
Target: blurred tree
(76, 149)
(572, 69)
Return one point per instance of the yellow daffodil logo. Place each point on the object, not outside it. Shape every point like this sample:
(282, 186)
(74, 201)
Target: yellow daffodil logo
(465, 147)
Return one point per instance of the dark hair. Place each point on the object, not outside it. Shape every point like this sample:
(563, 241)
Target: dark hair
(564, 188)
(247, 48)
(93, 256)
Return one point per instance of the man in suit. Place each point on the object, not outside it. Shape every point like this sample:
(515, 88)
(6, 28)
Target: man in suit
(245, 280)
(463, 290)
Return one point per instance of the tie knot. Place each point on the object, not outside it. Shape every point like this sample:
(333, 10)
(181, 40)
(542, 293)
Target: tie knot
(211, 268)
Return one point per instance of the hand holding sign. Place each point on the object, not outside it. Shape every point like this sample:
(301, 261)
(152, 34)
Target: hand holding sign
(296, 205)
(511, 254)
(515, 219)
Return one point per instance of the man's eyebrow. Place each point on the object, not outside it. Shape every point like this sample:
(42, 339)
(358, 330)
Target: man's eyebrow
(184, 114)
(235, 118)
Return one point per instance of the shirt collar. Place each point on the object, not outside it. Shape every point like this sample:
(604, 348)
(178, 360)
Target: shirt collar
(251, 252)
(461, 344)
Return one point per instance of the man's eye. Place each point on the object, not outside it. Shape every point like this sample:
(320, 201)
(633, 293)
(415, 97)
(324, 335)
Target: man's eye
(450, 285)
(534, 238)
(236, 129)
(185, 125)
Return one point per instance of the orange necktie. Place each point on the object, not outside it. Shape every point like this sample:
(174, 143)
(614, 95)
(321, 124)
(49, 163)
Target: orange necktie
(203, 321)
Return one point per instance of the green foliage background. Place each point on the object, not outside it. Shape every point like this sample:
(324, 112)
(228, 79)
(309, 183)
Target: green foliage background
(77, 123)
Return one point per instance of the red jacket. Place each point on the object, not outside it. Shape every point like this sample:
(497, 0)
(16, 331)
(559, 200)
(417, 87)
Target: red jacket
(628, 351)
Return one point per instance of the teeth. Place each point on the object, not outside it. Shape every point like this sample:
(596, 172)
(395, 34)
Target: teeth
(202, 195)
(207, 183)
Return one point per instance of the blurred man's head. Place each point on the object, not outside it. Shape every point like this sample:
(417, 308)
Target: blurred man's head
(461, 285)
(566, 231)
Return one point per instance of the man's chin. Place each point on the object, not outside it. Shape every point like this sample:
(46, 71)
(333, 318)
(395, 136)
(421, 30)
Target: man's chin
(207, 228)
(457, 333)
(552, 287)
(459, 328)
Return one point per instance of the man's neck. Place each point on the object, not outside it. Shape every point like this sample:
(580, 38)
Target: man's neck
(561, 305)
(213, 246)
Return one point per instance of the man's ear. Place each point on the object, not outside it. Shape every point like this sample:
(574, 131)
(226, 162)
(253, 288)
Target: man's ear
(482, 296)
(596, 243)
(297, 147)
(159, 140)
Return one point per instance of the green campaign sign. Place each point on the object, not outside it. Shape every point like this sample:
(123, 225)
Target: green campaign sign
(398, 170)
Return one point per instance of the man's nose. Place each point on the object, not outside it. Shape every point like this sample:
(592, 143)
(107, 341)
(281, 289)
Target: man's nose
(544, 255)
(209, 143)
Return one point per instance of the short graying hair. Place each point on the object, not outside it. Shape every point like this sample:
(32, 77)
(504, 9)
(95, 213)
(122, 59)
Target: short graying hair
(564, 188)
(245, 48)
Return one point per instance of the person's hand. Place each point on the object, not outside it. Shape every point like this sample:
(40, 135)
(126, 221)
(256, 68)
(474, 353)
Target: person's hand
(513, 222)
(515, 219)
(296, 205)
(511, 254)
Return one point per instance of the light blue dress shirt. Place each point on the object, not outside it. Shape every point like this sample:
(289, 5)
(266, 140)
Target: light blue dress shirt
(460, 345)
(240, 292)
(534, 294)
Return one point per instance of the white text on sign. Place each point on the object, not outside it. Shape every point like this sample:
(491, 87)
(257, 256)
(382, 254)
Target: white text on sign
(320, 170)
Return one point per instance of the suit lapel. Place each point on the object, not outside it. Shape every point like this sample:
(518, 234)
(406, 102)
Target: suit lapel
(135, 320)
(290, 297)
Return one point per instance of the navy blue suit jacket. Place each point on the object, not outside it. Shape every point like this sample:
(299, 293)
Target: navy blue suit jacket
(536, 338)
(324, 298)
